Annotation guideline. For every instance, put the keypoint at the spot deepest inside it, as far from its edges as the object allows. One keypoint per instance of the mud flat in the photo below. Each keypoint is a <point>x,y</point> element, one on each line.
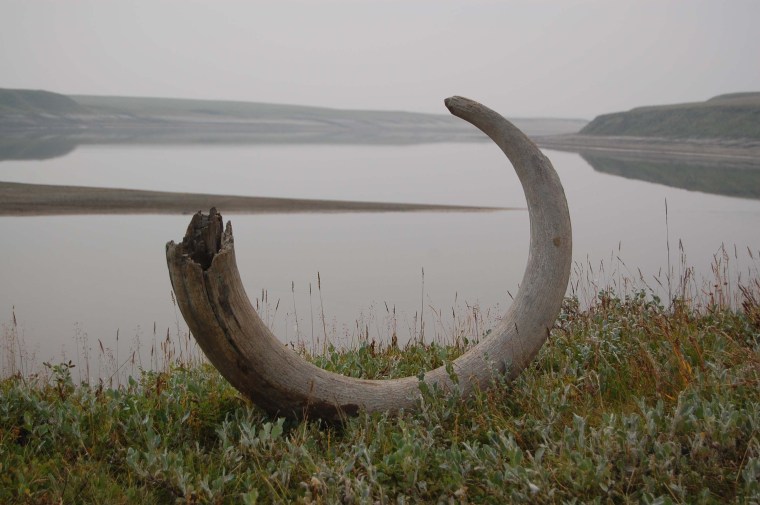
<point>18,199</point>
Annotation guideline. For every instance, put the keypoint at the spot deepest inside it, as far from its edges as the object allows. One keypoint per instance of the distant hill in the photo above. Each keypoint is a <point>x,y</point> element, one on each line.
<point>108,119</point>
<point>19,102</point>
<point>220,111</point>
<point>731,116</point>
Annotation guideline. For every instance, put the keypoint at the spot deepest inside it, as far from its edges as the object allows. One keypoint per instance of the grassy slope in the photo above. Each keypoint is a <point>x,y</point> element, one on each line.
<point>627,402</point>
<point>726,116</point>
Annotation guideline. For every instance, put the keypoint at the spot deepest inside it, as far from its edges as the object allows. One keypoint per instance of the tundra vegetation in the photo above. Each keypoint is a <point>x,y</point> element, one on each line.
<point>632,399</point>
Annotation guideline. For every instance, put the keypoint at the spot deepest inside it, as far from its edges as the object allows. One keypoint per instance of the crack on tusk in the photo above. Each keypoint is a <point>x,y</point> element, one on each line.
<point>203,238</point>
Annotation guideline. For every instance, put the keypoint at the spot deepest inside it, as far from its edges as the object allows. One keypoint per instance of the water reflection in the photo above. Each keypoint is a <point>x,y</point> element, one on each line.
<point>729,178</point>
<point>35,147</point>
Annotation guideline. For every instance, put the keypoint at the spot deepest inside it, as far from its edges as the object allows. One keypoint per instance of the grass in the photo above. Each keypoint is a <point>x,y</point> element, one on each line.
<point>630,400</point>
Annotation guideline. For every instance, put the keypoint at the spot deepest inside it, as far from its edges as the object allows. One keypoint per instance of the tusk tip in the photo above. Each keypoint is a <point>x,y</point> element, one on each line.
<point>458,103</point>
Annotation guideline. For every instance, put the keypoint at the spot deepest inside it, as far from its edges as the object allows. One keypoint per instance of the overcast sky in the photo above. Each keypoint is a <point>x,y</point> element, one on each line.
<point>533,58</point>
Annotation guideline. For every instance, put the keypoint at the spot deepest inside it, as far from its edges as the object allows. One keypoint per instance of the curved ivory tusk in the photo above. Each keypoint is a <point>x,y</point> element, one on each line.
<point>210,295</point>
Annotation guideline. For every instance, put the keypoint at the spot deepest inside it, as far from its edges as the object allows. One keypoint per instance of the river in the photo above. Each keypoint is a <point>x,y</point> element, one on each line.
<point>70,284</point>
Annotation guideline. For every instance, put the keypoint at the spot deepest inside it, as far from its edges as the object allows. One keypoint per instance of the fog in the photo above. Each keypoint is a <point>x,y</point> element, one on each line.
<point>523,58</point>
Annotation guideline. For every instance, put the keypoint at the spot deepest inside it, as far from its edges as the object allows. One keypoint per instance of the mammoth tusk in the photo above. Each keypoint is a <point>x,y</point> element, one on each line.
<point>210,295</point>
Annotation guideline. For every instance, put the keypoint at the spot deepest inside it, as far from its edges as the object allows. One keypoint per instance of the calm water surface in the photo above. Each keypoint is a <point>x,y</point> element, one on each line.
<point>67,277</point>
